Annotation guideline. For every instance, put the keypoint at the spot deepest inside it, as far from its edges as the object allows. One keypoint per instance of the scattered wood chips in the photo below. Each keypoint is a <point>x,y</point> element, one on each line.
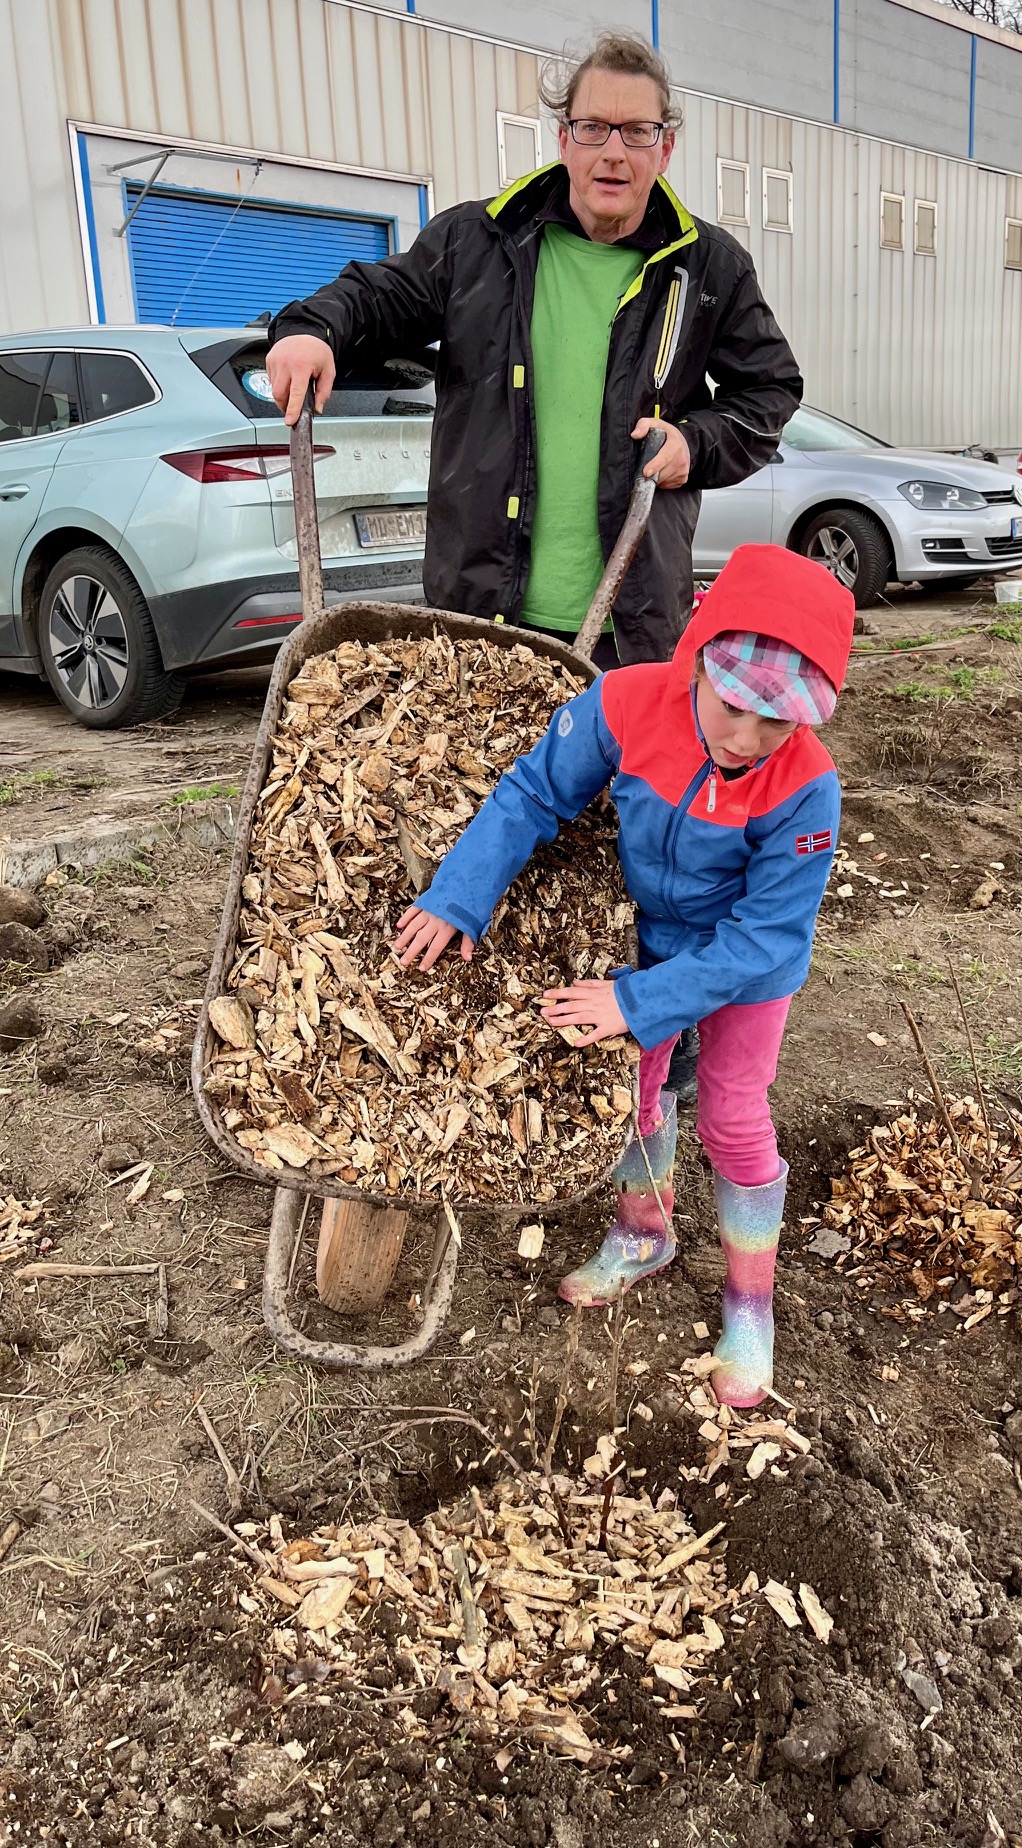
<point>906,1202</point>
<point>335,1061</point>
<point>493,1607</point>
<point>21,1225</point>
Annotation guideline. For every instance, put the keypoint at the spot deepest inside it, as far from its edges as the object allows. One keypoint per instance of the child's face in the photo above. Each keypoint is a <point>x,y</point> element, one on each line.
<point>735,738</point>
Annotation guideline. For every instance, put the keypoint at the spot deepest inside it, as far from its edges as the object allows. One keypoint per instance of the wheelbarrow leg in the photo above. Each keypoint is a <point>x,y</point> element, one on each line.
<point>359,1248</point>
<point>284,1227</point>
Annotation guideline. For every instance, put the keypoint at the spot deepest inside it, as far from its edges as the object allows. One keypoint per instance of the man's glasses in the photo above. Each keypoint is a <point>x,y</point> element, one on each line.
<point>590,134</point>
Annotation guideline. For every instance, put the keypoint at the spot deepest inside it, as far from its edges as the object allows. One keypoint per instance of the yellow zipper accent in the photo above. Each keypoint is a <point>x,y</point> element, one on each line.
<point>670,316</point>
<point>518,377</point>
<point>512,507</point>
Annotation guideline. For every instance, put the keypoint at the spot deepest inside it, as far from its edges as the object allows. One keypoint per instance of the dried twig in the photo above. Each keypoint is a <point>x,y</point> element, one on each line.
<point>161,1307</point>
<point>617,1335</point>
<point>610,1484</point>
<point>234,1488</point>
<point>445,1414</point>
<point>255,1554</point>
<point>980,1097</point>
<point>938,1098</point>
<point>8,1537</point>
<point>563,1389</point>
<point>29,1272</point>
<point>454,1556</point>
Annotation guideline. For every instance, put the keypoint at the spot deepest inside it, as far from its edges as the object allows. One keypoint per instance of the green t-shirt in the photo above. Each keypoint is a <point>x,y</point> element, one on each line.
<point>578,287</point>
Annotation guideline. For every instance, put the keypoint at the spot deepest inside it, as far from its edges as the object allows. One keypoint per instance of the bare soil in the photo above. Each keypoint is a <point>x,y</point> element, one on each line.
<point>142,1702</point>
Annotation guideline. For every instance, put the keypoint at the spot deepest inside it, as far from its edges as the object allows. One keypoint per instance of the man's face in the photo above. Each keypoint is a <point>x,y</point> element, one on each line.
<point>612,184</point>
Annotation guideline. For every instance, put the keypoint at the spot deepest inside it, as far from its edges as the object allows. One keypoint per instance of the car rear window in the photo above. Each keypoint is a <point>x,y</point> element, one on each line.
<point>112,383</point>
<point>59,408</point>
<point>398,388</point>
<point>21,375</point>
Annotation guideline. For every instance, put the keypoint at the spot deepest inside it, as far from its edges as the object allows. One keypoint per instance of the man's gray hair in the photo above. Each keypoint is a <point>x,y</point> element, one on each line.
<point>625,54</point>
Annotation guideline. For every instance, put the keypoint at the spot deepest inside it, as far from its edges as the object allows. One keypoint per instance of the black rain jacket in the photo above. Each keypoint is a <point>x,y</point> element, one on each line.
<point>468,281</point>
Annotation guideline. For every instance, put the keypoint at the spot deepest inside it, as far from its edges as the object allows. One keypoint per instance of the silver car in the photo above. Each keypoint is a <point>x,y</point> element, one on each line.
<point>870,513</point>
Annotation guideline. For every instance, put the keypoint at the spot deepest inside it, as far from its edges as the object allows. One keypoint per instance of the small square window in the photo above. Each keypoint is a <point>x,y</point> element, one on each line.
<point>926,228</point>
<point>892,221</point>
<point>732,192</point>
<point>519,146</point>
<point>776,200</point>
<point>1013,243</point>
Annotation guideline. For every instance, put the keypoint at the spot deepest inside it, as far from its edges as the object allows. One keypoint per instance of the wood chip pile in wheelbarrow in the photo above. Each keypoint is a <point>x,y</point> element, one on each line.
<point>335,1061</point>
<point>491,1605</point>
<point>919,1210</point>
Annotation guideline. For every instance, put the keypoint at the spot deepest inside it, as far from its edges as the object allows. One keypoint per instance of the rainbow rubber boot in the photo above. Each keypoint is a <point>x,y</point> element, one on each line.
<point>638,1243</point>
<point>750,1226</point>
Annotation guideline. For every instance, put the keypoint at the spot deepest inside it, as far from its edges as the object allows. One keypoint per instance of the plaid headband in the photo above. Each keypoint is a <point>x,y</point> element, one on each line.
<point>765,676</point>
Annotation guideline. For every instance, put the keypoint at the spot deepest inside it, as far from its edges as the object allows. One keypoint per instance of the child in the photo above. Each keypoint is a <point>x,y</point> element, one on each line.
<point>728,813</point>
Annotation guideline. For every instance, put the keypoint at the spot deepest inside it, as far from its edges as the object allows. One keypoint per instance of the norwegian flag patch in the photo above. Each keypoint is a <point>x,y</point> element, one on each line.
<point>814,843</point>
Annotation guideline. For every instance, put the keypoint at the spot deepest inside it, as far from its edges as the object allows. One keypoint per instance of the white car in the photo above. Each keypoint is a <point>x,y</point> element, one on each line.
<point>870,513</point>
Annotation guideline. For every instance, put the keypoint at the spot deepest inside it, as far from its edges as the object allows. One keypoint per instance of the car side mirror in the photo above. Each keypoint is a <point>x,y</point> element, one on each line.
<point>776,457</point>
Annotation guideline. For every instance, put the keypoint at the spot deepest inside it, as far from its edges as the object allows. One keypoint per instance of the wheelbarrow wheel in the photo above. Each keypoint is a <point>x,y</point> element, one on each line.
<point>359,1248</point>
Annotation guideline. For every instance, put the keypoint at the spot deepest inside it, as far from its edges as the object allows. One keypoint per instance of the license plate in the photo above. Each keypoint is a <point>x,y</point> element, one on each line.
<point>1016,528</point>
<point>391,526</point>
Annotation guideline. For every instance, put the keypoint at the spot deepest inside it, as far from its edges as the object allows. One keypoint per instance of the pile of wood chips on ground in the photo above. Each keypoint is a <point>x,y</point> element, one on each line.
<point>21,1225</point>
<point>336,1061</point>
<point>918,1209</point>
<point>508,1603</point>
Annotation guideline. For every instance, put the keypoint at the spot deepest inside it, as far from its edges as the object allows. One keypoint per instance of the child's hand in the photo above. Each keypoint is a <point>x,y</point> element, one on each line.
<point>420,934</point>
<point>585,1004</point>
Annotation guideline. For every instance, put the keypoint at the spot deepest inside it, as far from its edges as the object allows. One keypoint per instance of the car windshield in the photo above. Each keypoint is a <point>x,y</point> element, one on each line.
<point>815,430</point>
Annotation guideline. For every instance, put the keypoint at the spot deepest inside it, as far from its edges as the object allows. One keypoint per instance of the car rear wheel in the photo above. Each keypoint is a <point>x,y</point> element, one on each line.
<point>98,644</point>
<point>854,548</point>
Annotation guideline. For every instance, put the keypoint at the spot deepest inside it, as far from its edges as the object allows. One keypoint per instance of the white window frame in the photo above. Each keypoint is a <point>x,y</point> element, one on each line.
<point>504,120</point>
<point>924,250</point>
<point>1011,224</point>
<point>899,199</point>
<point>778,173</point>
<point>738,166</point>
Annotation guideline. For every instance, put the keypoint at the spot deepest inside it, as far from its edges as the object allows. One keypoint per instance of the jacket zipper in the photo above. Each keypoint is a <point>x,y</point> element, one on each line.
<point>680,814</point>
<point>670,332</point>
<point>522,474</point>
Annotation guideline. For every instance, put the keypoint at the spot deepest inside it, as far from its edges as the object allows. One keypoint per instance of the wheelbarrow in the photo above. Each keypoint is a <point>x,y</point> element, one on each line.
<point>362,1232</point>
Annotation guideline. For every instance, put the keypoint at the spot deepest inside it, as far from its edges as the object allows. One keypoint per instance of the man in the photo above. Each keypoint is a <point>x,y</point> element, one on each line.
<point>573,312</point>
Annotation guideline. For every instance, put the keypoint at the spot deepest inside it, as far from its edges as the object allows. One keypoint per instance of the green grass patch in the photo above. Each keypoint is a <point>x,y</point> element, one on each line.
<point>1010,631</point>
<point>28,783</point>
<point>204,792</point>
<point>999,1061</point>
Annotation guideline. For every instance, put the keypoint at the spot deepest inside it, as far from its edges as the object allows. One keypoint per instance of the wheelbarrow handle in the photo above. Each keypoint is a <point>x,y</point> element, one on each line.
<point>310,564</point>
<point>643,490</point>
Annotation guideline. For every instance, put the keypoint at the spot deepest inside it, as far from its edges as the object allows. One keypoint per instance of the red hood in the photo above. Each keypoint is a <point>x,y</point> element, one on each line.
<point>771,591</point>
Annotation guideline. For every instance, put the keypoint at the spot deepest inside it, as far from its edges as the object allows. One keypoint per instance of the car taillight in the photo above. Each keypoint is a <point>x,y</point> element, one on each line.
<point>236,464</point>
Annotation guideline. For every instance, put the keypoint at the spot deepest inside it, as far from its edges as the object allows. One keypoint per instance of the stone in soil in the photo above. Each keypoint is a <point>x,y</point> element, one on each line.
<point>18,907</point>
<point>118,1157</point>
<point>24,946</point>
<point>21,1019</point>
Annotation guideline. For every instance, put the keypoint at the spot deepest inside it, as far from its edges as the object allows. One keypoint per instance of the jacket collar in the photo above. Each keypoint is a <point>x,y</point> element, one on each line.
<point>542,198</point>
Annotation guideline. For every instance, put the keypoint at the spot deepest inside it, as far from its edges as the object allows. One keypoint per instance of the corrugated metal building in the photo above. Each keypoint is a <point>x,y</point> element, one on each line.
<point>197,160</point>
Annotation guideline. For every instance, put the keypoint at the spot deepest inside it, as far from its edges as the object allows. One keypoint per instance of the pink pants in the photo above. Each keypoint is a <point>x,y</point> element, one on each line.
<point>738,1048</point>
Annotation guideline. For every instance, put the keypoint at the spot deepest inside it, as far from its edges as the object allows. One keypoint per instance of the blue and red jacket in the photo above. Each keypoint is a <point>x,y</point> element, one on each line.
<point>727,874</point>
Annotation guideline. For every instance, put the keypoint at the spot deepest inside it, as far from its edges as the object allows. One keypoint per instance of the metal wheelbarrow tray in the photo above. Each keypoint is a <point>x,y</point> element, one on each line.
<point>321,631</point>
<point>364,622</point>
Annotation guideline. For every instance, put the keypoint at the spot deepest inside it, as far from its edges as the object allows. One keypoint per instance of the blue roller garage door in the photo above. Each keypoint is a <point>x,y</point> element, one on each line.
<point>202,261</point>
